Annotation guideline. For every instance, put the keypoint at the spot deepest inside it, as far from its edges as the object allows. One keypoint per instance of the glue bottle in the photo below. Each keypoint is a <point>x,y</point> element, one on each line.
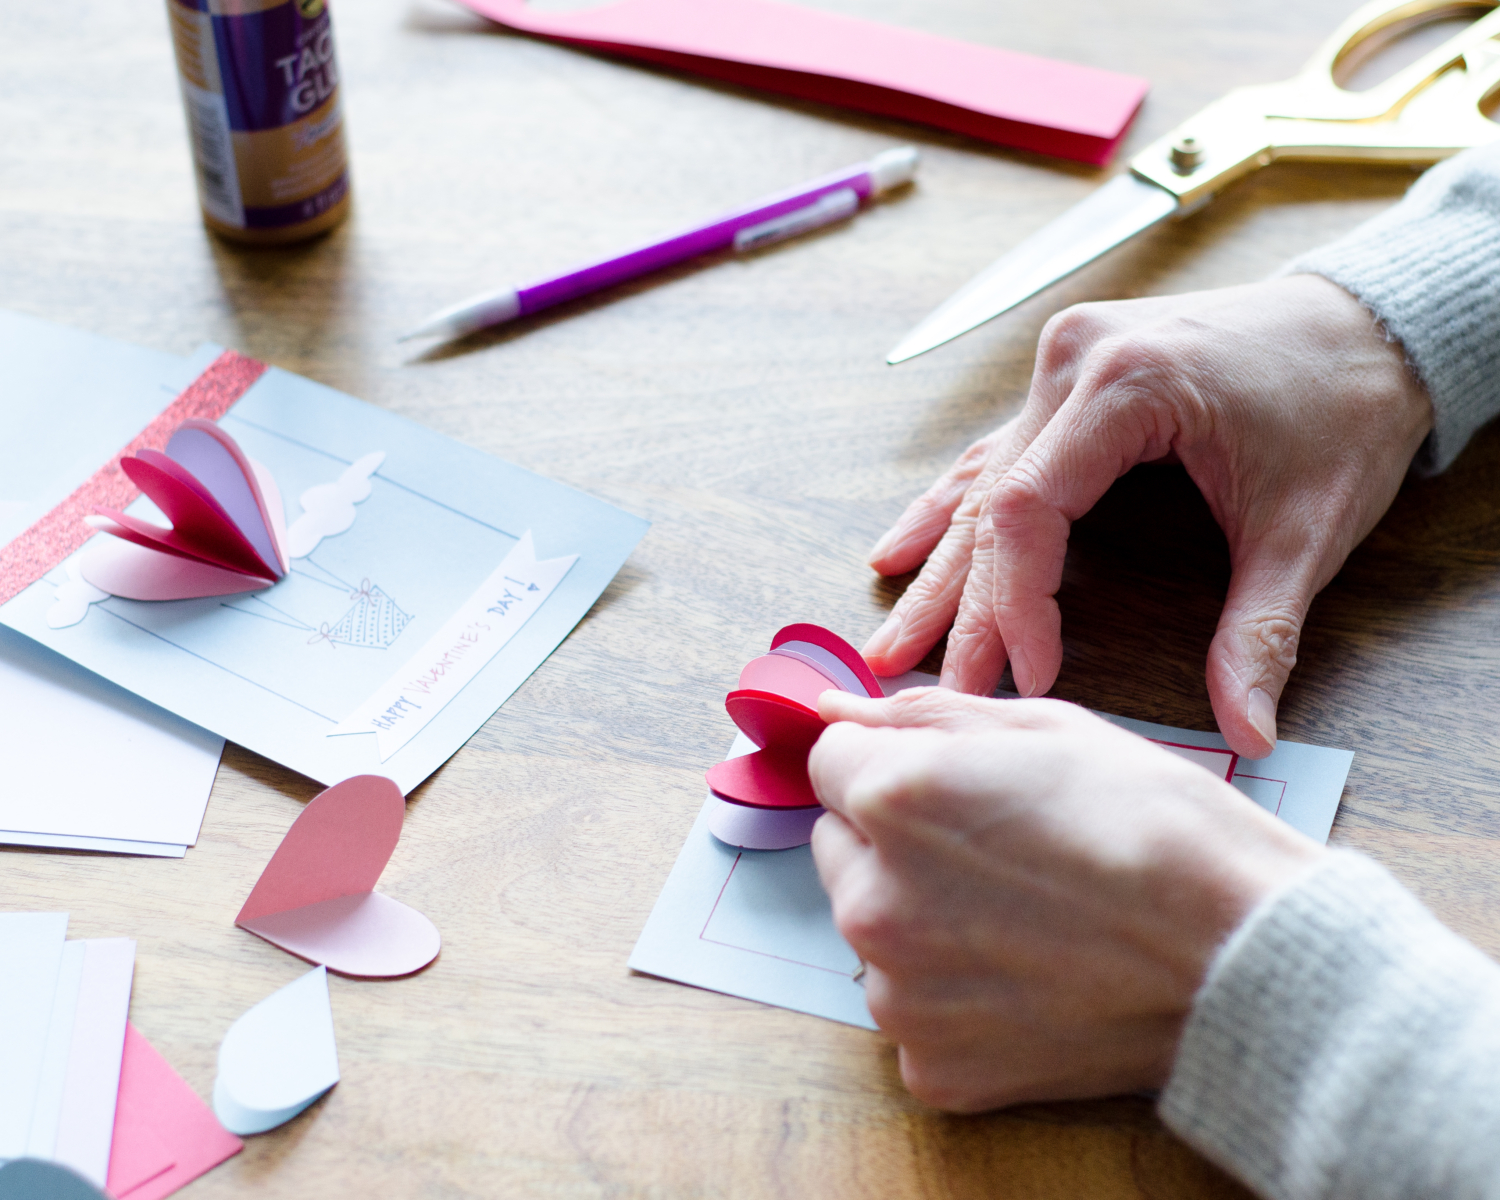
<point>261,88</point>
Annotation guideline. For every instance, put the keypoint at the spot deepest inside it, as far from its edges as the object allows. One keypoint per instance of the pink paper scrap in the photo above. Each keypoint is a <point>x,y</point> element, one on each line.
<point>165,1136</point>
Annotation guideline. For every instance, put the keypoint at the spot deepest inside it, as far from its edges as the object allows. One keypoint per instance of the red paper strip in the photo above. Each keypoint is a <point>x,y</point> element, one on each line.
<point>998,95</point>
<point>62,531</point>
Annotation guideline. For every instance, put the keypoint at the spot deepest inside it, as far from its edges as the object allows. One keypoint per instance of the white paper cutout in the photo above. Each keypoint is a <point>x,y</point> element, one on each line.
<point>277,1058</point>
<point>73,599</point>
<point>328,508</point>
<point>760,828</point>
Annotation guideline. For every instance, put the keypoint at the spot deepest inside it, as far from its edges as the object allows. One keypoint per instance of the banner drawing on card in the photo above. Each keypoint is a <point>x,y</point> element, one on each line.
<point>402,707</point>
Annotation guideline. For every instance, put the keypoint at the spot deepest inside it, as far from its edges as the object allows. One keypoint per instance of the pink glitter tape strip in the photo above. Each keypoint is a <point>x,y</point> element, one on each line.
<point>62,531</point>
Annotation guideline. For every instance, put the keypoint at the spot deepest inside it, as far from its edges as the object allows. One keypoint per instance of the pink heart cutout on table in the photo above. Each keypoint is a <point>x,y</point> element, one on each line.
<point>316,898</point>
<point>227,530</point>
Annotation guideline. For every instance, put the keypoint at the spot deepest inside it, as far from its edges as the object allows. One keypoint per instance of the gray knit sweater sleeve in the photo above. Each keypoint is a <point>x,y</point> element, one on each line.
<point>1345,1044</point>
<point>1429,268</point>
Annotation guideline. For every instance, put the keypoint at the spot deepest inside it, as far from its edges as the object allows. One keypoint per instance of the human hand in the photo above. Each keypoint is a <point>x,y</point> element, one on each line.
<point>1036,894</point>
<point>1289,409</point>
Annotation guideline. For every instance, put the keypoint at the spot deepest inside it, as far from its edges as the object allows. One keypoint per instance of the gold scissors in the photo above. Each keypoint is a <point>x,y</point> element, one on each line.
<point>1424,113</point>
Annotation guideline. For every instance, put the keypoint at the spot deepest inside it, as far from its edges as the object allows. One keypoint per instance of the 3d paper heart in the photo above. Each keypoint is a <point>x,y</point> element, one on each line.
<point>764,799</point>
<point>317,899</point>
<point>228,531</point>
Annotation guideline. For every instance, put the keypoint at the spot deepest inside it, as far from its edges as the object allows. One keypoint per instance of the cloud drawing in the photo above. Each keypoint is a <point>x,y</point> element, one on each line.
<point>72,601</point>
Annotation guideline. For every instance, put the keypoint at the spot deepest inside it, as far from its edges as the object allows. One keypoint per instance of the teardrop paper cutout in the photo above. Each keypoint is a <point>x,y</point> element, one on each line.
<point>277,1058</point>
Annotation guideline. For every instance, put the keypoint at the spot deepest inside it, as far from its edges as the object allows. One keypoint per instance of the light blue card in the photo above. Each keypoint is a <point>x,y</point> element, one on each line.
<point>69,401</point>
<point>292,672</point>
<point>758,924</point>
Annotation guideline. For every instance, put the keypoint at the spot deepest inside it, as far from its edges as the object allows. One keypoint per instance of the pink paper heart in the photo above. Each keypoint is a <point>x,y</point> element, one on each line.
<point>776,706</point>
<point>316,897</point>
<point>201,528</point>
<point>227,531</point>
<point>242,488</point>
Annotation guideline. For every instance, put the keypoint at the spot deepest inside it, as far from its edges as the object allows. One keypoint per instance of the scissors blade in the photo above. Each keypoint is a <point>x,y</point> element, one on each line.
<point>1116,212</point>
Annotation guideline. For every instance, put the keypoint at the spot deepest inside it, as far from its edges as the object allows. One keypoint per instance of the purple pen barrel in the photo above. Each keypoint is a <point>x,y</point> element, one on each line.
<point>767,221</point>
<point>864,179</point>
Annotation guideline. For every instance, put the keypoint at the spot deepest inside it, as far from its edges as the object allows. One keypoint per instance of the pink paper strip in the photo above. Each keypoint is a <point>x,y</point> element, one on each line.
<point>62,531</point>
<point>165,1136</point>
<point>998,95</point>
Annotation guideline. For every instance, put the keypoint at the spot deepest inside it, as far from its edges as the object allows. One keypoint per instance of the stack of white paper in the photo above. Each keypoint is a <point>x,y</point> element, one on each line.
<point>63,1007</point>
<point>85,764</point>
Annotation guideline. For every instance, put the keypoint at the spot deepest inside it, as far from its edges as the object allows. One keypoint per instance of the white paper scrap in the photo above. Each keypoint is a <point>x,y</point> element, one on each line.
<point>47,1108</point>
<point>85,1129</point>
<point>31,948</point>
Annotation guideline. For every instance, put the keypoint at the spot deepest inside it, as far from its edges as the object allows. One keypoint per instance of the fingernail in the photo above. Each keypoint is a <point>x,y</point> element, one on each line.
<point>1020,673</point>
<point>1261,712</point>
<point>883,546</point>
<point>884,637</point>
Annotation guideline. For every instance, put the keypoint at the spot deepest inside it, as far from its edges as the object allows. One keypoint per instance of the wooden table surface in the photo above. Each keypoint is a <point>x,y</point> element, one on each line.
<point>743,407</point>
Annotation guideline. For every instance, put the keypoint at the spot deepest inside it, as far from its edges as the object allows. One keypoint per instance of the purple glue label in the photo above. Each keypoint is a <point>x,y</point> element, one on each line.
<point>277,64</point>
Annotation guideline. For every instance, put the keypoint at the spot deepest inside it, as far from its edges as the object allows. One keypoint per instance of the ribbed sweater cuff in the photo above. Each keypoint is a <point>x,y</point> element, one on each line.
<point>1429,269</point>
<point>1345,1044</point>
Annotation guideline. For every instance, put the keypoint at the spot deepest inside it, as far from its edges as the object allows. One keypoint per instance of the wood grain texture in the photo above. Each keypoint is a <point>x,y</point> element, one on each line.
<point>743,406</point>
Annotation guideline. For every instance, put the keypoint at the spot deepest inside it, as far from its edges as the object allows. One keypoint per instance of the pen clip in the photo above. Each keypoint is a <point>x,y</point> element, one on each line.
<point>825,210</point>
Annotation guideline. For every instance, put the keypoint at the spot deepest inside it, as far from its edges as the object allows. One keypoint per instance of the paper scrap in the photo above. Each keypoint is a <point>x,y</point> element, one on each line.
<point>52,1083</point>
<point>316,898</point>
<point>278,1058</point>
<point>73,1111</point>
<point>999,95</point>
<point>31,951</point>
<point>85,1125</point>
<point>402,706</point>
<point>164,1136</point>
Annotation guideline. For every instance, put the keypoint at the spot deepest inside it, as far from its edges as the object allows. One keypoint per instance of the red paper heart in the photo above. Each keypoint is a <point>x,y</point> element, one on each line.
<point>776,706</point>
<point>764,779</point>
<point>200,529</point>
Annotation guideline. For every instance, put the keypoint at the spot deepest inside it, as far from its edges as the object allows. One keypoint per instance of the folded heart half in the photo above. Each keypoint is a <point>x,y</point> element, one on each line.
<point>317,899</point>
<point>764,799</point>
<point>227,532</point>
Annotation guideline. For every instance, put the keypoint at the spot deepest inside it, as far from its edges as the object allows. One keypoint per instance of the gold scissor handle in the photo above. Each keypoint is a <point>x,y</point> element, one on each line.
<point>1420,115</point>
